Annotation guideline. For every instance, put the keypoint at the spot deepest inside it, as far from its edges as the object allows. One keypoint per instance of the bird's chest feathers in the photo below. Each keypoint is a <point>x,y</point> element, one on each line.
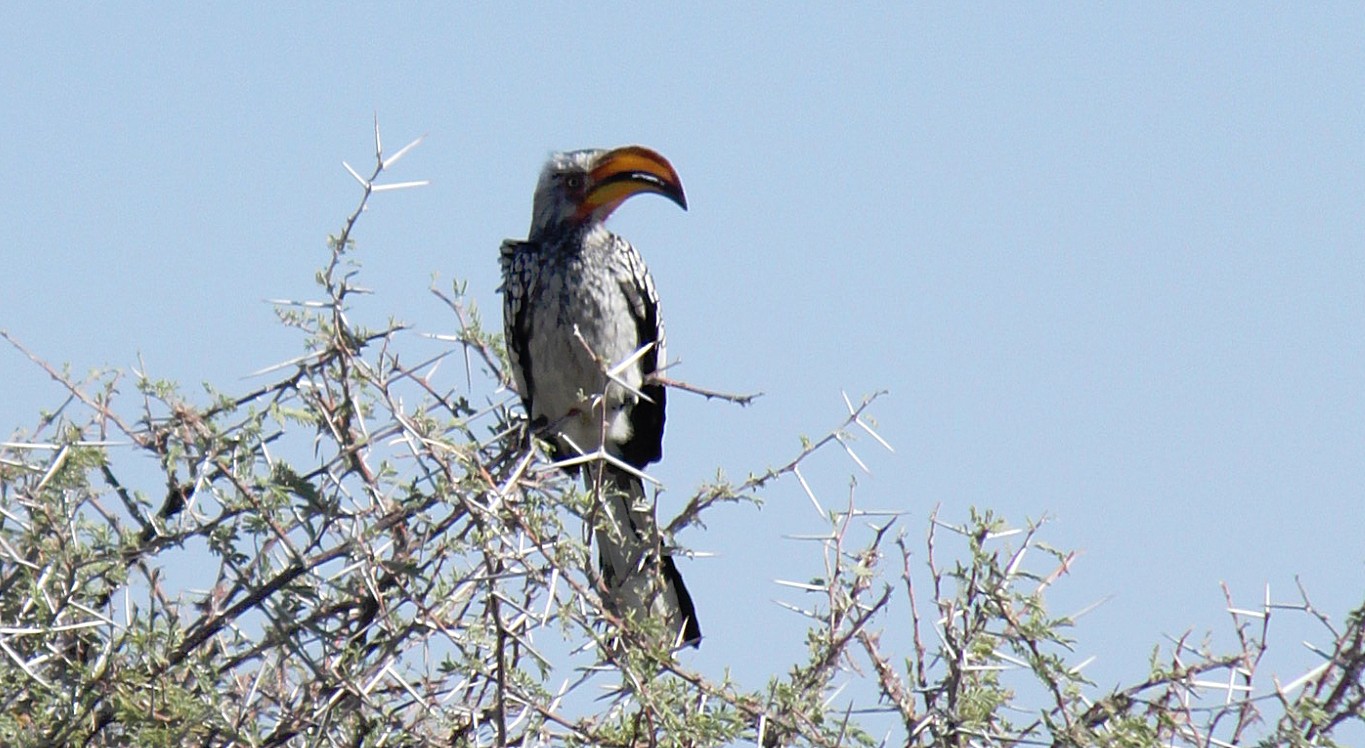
<point>581,323</point>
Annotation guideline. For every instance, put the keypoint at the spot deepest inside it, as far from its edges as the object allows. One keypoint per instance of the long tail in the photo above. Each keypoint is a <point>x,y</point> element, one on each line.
<point>640,577</point>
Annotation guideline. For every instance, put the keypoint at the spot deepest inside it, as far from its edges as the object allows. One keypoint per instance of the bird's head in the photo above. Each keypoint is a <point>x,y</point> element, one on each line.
<point>581,188</point>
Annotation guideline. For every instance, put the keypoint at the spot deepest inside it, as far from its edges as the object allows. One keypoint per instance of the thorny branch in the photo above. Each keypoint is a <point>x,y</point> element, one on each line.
<point>374,559</point>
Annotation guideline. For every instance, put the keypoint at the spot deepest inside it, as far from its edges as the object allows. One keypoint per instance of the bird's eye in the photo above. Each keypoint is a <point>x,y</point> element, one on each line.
<point>574,182</point>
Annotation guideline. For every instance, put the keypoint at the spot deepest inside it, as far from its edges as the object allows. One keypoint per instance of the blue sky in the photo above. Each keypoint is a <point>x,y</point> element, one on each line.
<point>1108,261</point>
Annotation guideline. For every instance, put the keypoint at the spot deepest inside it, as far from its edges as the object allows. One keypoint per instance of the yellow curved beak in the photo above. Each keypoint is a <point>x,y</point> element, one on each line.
<point>629,171</point>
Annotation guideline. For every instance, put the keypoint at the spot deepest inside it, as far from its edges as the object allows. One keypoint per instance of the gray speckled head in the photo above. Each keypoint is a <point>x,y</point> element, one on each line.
<point>581,188</point>
<point>561,188</point>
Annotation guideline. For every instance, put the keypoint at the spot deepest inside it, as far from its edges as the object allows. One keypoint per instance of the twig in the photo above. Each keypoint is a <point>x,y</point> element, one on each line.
<point>704,392</point>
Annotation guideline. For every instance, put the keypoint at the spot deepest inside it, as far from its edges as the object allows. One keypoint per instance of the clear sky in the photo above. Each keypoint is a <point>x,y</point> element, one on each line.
<point>1108,261</point>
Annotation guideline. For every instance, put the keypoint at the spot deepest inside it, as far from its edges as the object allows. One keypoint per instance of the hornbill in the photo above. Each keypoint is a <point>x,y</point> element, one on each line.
<point>585,339</point>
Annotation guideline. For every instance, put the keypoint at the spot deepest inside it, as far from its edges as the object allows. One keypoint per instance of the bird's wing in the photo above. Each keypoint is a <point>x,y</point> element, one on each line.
<point>646,416</point>
<point>517,279</point>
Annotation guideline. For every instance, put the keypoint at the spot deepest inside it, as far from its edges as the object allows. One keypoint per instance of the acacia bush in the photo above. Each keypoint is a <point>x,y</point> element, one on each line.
<point>350,556</point>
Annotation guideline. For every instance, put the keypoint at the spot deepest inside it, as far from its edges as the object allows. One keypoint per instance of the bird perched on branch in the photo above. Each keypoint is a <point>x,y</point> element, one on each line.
<point>585,340</point>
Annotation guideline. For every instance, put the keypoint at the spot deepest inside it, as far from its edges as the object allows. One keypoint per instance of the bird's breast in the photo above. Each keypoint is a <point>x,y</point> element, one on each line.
<point>581,324</point>
<point>577,296</point>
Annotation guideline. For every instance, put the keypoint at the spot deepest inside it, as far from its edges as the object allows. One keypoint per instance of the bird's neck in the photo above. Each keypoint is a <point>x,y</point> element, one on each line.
<point>570,237</point>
